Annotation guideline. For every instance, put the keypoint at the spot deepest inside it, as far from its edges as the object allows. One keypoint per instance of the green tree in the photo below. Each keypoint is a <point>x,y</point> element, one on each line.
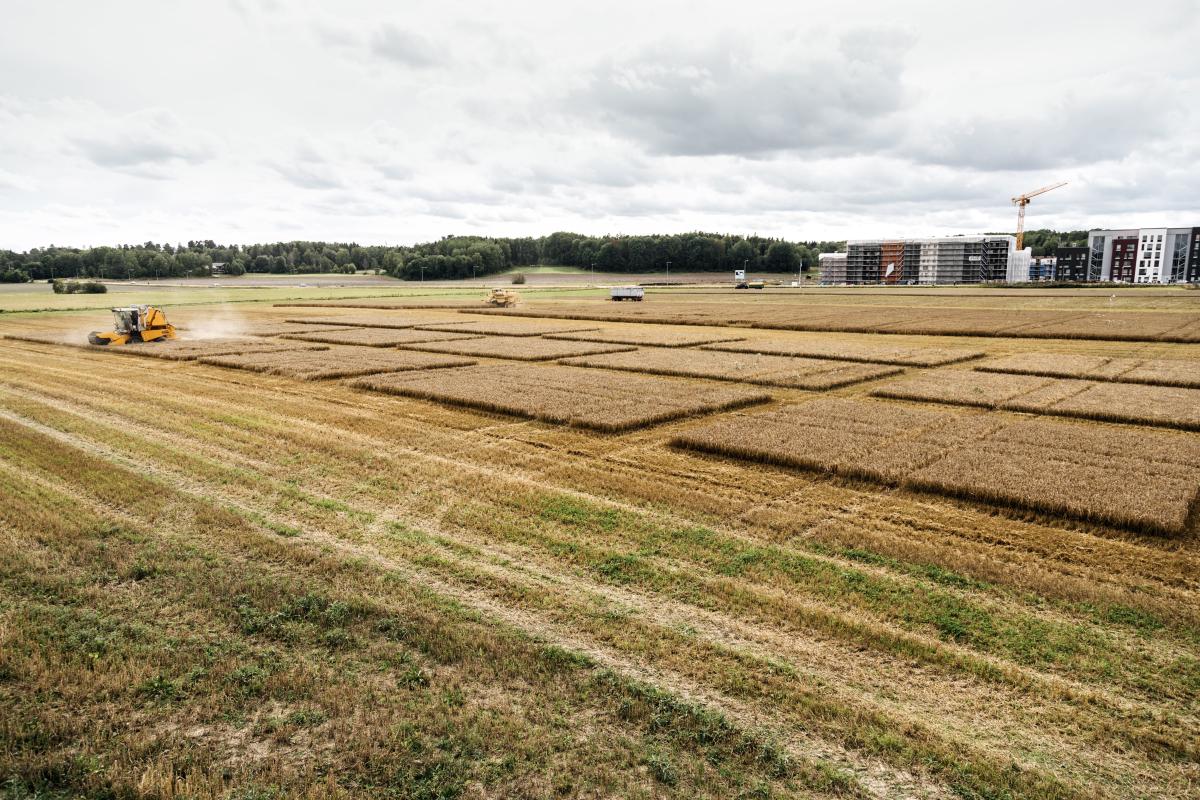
<point>782,257</point>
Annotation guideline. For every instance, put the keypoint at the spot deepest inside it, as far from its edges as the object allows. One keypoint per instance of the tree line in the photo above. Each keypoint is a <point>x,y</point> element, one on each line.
<point>448,258</point>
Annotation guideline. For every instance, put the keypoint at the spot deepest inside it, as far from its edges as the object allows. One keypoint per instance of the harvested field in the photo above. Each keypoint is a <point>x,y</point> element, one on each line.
<point>1165,406</point>
<point>568,395</point>
<point>1149,326</point>
<point>841,350</point>
<point>253,586</point>
<point>334,362</point>
<point>371,320</point>
<point>1062,468</point>
<point>509,327</point>
<point>518,348</point>
<point>378,337</point>
<point>796,373</point>
<point>1155,372</point>
<point>648,336</point>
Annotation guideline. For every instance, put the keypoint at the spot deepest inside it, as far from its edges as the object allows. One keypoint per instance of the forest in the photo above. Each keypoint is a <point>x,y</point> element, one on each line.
<point>448,258</point>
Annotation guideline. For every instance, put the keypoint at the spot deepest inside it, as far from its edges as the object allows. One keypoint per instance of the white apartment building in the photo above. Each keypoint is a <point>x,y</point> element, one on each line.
<point>1144,255</point>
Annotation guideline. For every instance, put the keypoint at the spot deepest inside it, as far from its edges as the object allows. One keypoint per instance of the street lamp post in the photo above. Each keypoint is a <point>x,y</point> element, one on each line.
<point>593,272</point>
<point>668,272</point>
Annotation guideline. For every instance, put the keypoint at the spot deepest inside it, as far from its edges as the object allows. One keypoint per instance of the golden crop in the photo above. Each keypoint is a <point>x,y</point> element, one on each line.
<point>797,373</point>
<point>333,362</point>
<point>573,396</point>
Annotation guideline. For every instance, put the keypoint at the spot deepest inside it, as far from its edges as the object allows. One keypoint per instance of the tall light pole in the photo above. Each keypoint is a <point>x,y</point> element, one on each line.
<point>593,272</point>
<point>668,272</point>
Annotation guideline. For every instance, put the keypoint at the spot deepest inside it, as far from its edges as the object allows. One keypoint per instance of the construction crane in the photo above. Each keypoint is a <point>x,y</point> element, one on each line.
<point>1023,200</point>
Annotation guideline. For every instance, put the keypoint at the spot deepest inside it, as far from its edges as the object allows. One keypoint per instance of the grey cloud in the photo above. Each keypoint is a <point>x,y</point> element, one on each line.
<point>143,143</point>
<point>309,169</point>
<point>404,47</point>
<point>731,98</point>
<point>1107,125</point>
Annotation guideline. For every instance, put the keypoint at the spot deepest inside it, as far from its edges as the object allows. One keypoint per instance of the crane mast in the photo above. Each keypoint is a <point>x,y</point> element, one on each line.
<point>1022,200</point>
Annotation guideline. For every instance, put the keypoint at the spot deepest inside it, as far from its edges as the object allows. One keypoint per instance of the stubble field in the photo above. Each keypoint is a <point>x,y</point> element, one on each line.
<point>481,576</point>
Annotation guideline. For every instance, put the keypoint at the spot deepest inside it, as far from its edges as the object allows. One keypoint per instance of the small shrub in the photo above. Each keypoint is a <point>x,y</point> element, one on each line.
<point>413,678</point>
<point>159,688</point>
<point>663,770</point>
<point>518,278</point>
<point>78,287</point>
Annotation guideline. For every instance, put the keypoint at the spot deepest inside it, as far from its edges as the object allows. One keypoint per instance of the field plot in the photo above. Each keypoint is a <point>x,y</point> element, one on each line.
<point>648,336</point>
<point>508,327</point>
<point>841,350</point>
<point>1166,406</point>
<point>1162,326</point>
<point>517,348</point>
<point>796,373</point>
<point>333,362</point>
<point>568,395</point>
<point>180,349</point>
<point>371,320</point>
<point>1156,372</point>
<point>378,337</point>
<point>1065,468</point>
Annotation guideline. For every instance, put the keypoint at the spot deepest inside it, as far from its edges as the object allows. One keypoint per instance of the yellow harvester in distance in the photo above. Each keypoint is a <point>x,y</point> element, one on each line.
<point>136,324</point>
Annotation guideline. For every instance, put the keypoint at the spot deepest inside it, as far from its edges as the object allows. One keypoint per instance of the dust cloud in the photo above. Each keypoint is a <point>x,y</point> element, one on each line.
<point>220,323</point>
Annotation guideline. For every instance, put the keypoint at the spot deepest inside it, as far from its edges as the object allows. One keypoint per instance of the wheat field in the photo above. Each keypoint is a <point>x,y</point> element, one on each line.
<point>333,362</point>
<point>518,579</point>
<point>1156,372</point>
<point>1166,406</point>
<point>796,373</point>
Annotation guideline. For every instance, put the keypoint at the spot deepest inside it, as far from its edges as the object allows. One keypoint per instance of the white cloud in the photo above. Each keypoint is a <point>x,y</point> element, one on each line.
<point>268,119</point>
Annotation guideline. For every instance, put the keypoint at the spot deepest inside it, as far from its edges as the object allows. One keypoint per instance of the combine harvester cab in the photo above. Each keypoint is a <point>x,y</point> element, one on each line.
<point>502,298</point>
<point>135,324</point>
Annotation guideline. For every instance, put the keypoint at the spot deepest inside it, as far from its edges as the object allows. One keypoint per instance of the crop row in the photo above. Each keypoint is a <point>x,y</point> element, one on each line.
<point>377,337</point>
<point>334,362</point>
<point>1156,372</point>
<point>517,348</point>
<point>1072,469</point>
<point>567,395</point>
<point>796,373</point>
<point>1164,406</point>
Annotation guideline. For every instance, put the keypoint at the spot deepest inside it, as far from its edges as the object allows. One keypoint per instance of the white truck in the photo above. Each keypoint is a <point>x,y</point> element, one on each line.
<point>627,293</point>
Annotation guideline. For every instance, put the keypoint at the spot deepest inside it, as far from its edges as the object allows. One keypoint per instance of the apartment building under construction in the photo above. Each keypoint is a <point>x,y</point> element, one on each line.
<point>950,259</point>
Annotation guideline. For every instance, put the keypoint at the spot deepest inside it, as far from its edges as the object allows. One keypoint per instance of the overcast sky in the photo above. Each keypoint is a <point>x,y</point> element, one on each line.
<point>395,122</point>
